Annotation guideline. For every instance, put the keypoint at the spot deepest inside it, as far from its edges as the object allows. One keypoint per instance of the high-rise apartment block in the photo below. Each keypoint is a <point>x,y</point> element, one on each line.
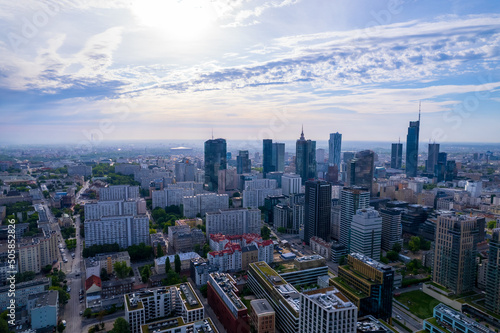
<point>233,221</point>
<point>215,160</point>
<point>124,230</point>
<point>255,191</point>
<point>118,192</point>
<point>291,183</point>
<point>97,210</point>
<point>184,171</point>
<point>200,204</point>
<point>412,148</point>
<point>455,252</point>
<point>305,158</point>
<point>288,216</point>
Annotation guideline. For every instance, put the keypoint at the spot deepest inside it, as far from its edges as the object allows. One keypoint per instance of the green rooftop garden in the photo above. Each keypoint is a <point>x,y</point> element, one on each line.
<point>420,304</point>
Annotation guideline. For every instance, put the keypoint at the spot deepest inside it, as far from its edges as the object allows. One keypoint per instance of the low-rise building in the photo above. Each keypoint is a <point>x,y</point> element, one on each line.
<point>117,287</point>
<point>200,270</point>
<point>23,291</point>
<point>177,325</point>
<point>43,309</point>
<point>321,247</point>
<point>185,261</point>
<point>446,319</point>
<point>263,316</point>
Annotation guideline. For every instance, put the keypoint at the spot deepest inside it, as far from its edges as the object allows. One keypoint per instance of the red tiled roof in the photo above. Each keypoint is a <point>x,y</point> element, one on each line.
<point>93,280</point>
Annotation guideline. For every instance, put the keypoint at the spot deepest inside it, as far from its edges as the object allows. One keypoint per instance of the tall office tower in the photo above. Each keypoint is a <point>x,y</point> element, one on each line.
<point>440,167</point>
<point>274,156</point>
<point>492,302</point>
<point>366,233</point>
<point>351,199</point>
<point>412,148</point>
<point>243,162</point>
<point>361,169</point>
<point>291,183</point>
<point>215,160</point>
<point>320,155</point>
<point>397,155</point>
<point>432,157</point>
<point>455,252</point>
<point>305,158</point>
<point>184,171</point>
<point>391,227</point>
<point>332,175</point>
<point>328,311</point>
<point>334,147</point>
<point>317,210</point>
<point>451,171</point>
<point>368,284</point>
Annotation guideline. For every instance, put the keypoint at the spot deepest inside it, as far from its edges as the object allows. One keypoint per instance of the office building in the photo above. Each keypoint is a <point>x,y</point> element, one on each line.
<point>320,155</point>
<point>366,233</point>
<point>288,216</point>
<point>317,210</point>
<point>282,296</point>
<point>334,148</point>
<point>446,319</point>
<point>123,230</point>
<point>368,284</point>
<point>327,310</point>
<point>43,309</point>
<point>222,295</point>
<point>307,270</point>
<point>455,252</point>
<point>172,301</point>
<point>215,160</point>
<point>305,158</point>
<point>118,192</point>
<point>263,316</point>
<point>451,171</point>
<point>396,155</point>
<point>243,162</point>
<point>391,227</point>
<point>199,204</point>
<point>233,221</point>
<point>291,183</point>
<point>274,156</point>
<point>492,301</point>
<point>432,157</point>
<point>412,148</point>
<point>360,170</point>
<point>351,199</point>
<point>184,171</point>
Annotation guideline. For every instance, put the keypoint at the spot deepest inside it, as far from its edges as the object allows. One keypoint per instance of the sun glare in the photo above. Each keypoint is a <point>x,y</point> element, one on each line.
<point>179,20</point>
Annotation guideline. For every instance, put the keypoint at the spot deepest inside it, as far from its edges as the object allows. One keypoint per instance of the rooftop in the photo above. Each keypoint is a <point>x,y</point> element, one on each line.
<point>261,306</point>
<point>182,256</point>
<point>310,258</point>
<point>458,316</point>
<point>369,261</point>
<point>328,298</point>
<point>47,298</point>
<point>202,326</point>
<point>370,324</point>
<point>228,286</point>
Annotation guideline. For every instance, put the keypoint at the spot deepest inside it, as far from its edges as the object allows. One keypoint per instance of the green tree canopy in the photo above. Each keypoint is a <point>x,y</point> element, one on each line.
<point>120,326</point>
<point>121,269</point>
<point>177,263</point>
<point>168,267</point>
<point>397,247</point>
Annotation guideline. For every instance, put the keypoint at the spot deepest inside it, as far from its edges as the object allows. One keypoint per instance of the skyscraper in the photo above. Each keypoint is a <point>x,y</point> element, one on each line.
<point>351,199</point>
<point>305,159</point>
<point>215,160</point>
<point>397,155</point>
<point>492,302</point>
<point>243,162</point>
<point>317,210</point>
<point>274,156</point>
<point>360,169</point>
<point>334,147</point>
<point>412,147</point>
<point>455,252</point>
<point>432,157</point>
<point>366,234</point>
<point>391,227</point>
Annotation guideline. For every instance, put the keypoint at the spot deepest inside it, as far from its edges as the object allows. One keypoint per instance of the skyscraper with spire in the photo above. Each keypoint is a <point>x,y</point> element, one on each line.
<point>305,158</point>
<point>412,147</point>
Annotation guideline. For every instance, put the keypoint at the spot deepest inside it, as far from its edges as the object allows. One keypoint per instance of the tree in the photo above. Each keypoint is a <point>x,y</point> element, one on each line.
<point>87,313</point>
<point>61,327</point>
<point>4,327</point>
<point>168,267</point>
<point>492,224</point>
<point>104,274</point>
<point>392,255</point>
<point>204,290</point>
<point>120,326</point>
<point>265,232</point>
<point>414,244</point>
<point>282,230</point>
<point>121,269</point>
<point>63,295</point>
<point>159,251</point>
<point>177,263</point>
<point>197,249</point>
<point>146,273</point>
<point>397,247</point>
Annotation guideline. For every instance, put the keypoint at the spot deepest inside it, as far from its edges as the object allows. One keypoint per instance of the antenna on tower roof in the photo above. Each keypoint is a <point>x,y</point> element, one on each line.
<point>212,133</point>
<point>419,110</point>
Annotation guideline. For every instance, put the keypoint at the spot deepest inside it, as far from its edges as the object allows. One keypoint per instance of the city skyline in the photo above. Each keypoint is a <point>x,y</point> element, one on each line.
<point>178,70</point>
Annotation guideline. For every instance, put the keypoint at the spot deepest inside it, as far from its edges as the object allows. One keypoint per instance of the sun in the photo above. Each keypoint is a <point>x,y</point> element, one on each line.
<point>181,20</point>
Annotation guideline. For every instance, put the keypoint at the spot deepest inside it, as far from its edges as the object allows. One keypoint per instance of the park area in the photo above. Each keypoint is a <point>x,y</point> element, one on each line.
<point>420,303</point>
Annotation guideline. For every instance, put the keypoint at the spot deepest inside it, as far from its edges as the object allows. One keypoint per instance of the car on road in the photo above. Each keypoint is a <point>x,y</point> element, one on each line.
<point>398,317</point>
<point>81,313</point>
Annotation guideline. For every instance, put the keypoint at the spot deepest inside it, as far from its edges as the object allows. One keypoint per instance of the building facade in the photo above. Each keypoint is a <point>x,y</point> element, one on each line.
<point>334,148</point>
<point>233,221</point>
<point>215,160</point>
<point>351,199</point>
<point>366,232</point>
<point>492,302</point>
<point>318,202</point>
<point>305,158</point>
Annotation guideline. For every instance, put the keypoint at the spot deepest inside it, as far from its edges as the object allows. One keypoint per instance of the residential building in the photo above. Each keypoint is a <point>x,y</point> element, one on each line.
<point>391,227</point>
<point>366,233</point>
<point>317,210</point>
<point>233,221</point>
<point>227,259</point>
<point>396,155</point>
<point>327,310</point>
<point>184,257</point>
<point>321,247</point>
<point>181,238</point>
<point>108,260</point>
<point>368,284</point>
<point>23,291</point>
<point>305,158</point>
<point>118,192</point>
<point>200,270</point>
<point>132,207</point>
<point>184,170</point>
<point>360,170</point>
<point>446,319</point>
<point>177,325</point>
<point>334,148</point>
<point>222,295</point>
<point>412,148</point>
<point>80,170</point>
<point>200,204</point>
<point>255,191</point>
<point>215,160</point>
<point>291,183</point>
<point>249,254</point>
<point>351,199</point>
<point>43,309</point>
<point>263,316</point>
<point>455,252</point>
<point>37,252</point>
<point>335,222</point>
<point>158,239</point>
<point>228,181</point>
<point>172,301</point>
<point>170,196</point>
<point>290,217</point>
<point>492,301</point>
<point>243,162</point>
<point>282,296</point>
<point>117,287</point>
<point>123,230</point>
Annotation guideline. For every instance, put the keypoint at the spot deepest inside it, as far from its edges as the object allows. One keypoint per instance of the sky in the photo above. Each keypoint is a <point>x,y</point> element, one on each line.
<point>74,71</point>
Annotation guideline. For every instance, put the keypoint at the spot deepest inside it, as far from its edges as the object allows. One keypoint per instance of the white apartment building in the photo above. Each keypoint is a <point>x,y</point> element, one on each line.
<point>94,211</point>
<point>233,221</point>
<point>118,192</point>
<point>291,183</point>
<point>204,203</point>
<point>170,196</point>
<point>124,230</point>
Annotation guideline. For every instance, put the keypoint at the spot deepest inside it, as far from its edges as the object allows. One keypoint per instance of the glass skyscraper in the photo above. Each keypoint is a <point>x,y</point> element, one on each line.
<point>215,160</point>
<point>243,162</point>
<point>274,156</point>
<point>360,169</point>
<point>305,158</point>
<point>334,147</point>
<point>412,148</point>
<point>318,203</point>
<point>397,155</point>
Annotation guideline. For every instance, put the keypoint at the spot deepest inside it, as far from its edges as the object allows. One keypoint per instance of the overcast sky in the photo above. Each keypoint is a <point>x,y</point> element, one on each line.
<point>165,69</point>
